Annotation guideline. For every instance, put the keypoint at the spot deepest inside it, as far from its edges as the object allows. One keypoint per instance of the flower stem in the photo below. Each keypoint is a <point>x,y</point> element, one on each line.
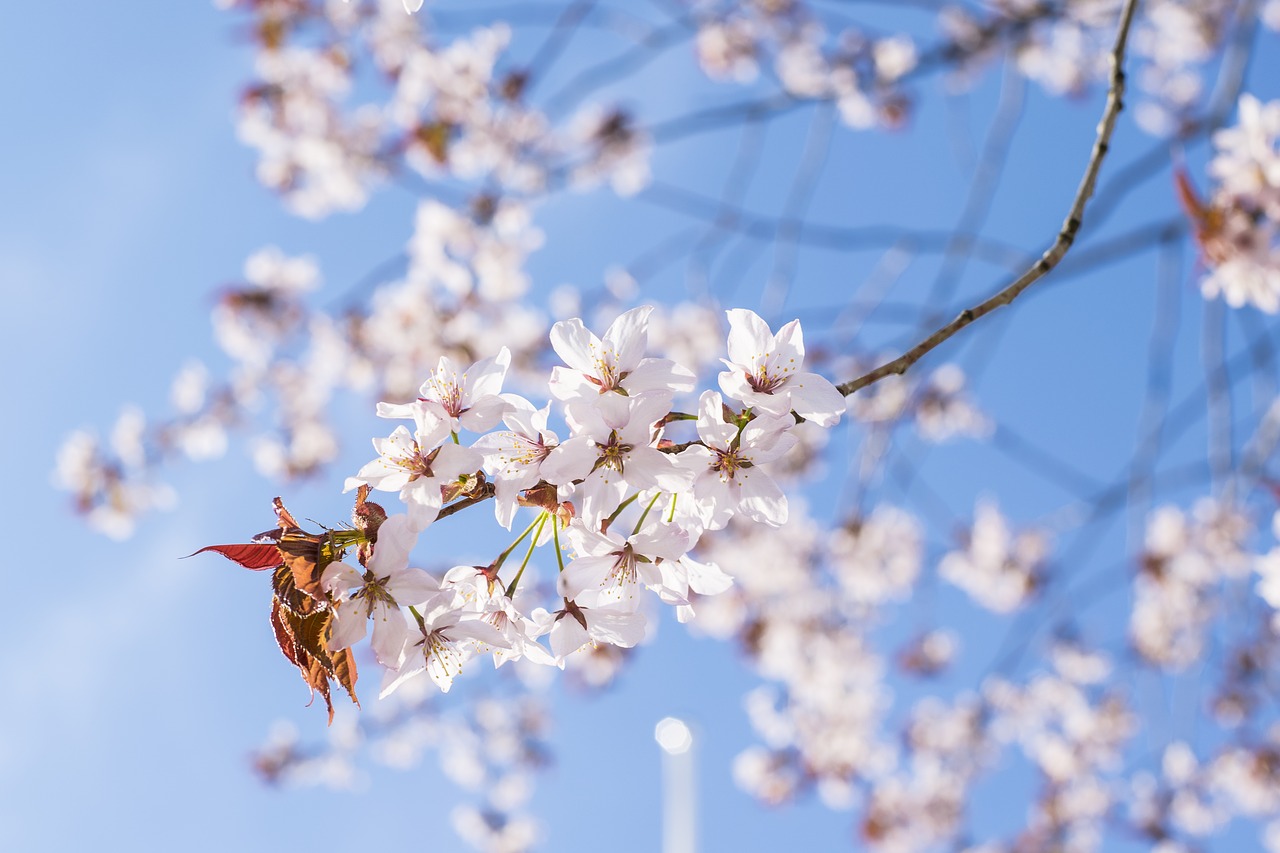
<point>613,516</point>
<point>645,514</point>
<point>502,558</point>
<point>555,534</point>
<point>533,543</point>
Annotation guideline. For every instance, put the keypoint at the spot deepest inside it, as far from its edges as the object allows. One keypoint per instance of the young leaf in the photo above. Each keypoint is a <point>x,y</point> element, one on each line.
<point>283,516</point>
<point>293,599</point>
<point>256,557</point>
<point>302,553</point>
<point>344,672</point>
<point>304,641</point>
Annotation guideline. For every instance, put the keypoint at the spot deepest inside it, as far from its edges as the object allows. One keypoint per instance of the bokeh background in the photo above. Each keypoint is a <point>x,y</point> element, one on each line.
<point>137,684</point>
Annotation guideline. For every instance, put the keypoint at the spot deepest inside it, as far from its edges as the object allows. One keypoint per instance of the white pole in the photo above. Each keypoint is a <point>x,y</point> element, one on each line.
<point>679,827</point>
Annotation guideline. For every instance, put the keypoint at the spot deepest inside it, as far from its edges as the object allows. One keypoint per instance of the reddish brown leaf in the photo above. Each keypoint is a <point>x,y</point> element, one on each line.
<point>284,639</point>
<point>311,632</point>
<point>267,537</point>
<point>304,641</point>
<point>318,679</point>
<point>344,672</point>
<point>1207,220</point>
<point>294,600</point>
<point>256,557</point>
<point>301,552</point>
<point>283,516</point>
<point>1195,209</point>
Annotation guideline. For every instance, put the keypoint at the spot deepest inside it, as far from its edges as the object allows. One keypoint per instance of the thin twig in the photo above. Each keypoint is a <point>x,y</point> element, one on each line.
<point>1066,236</point>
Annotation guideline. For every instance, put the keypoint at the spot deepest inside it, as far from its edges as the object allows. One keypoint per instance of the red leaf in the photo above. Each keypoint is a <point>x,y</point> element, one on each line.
<point>256,557</point>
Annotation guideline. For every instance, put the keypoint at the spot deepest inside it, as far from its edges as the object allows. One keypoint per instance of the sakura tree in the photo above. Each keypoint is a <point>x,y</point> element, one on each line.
<point>773,454</point>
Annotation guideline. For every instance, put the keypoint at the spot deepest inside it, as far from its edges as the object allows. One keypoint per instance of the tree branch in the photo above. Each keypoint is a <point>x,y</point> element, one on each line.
<point>1066,236</point>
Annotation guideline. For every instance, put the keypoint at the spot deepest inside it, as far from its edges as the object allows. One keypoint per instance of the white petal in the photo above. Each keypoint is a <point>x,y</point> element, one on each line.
<point>570,461</point>
<point>749,337</point>
<point>815,399</point>
<point>576,346</point>
<point>712,428</point>
<point>397,537</point>
<point>627,337</point>
<point>390,635</point>
<point>761,499</point>
<point>349,624</point>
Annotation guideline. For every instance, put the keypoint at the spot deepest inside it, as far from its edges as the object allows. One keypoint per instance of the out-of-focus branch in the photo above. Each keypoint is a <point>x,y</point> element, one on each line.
<point>1066,236</point>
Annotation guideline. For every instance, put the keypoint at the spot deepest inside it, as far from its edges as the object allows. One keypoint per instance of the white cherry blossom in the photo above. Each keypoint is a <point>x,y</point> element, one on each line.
<point>470,398</point>
<point>504,612</point>
<point>446,638</point>
<point>609,568</point>
<point>615,362</point>
<point>417,471</point>
<point>513,457</point>
<point>726,475</point>
<point>765,371</point>
<point>386,585</point>
<point>574,626</point>
<point>612,450</point>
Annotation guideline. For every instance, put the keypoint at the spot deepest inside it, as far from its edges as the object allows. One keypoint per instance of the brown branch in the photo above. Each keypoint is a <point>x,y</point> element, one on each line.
<point>1066,236</point>
<point>487,491</point>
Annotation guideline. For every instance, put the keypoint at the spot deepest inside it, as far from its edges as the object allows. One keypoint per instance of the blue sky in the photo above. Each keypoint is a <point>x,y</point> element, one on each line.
<point>138,684</point>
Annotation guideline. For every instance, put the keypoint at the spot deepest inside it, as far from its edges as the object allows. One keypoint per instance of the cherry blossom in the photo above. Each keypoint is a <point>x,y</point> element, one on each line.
<point>726,475</point>
<point>386,585</point>
<point>609,567</point>
<point>765,371</point>
<point>446,638</point>
<point>470,398</point>
<point>612,450</point>
<point>514,457</point>
<point>614,363</point>
<point>574,626</point>
<point>418,469</point>
<point>998,569</point>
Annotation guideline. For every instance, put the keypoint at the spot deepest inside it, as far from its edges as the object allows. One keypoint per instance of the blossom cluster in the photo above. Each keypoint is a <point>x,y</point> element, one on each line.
<point>622,507</point>
<point>1238,228</point>
<point>646,495</point>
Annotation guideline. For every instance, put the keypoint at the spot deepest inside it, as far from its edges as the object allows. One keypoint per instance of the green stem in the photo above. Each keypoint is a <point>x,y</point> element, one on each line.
<point>533,543</point>
<point>613,516</point>
<point>502,558</point>
<point>347,538</point>
<point>555,534</point>
<point>671,516</point>
<point>645,514</point>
